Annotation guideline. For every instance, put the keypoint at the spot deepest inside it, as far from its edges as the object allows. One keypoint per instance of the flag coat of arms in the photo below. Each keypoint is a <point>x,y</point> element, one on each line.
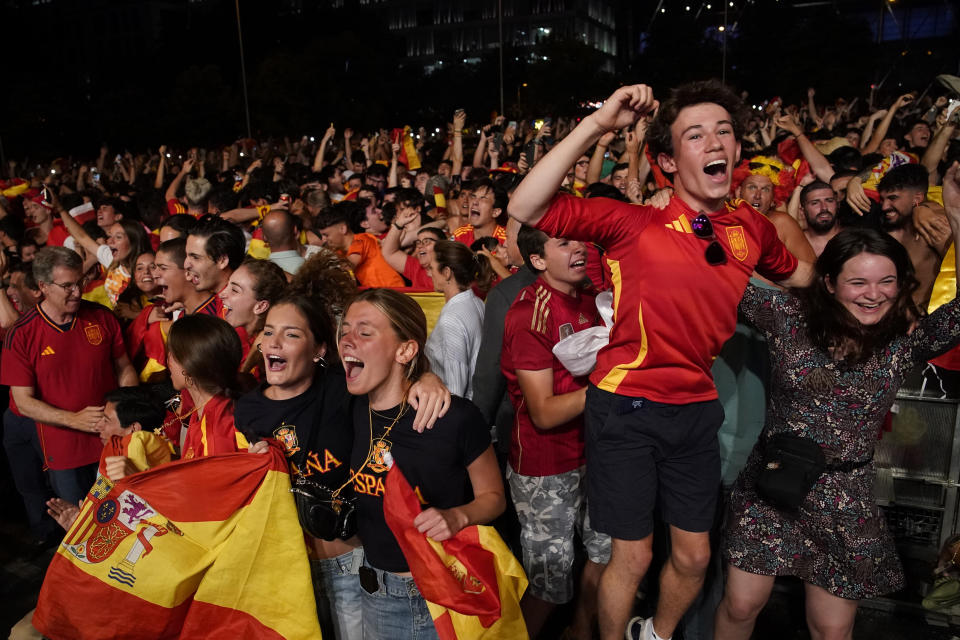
<point>472,582</point>
<point>202,548</point>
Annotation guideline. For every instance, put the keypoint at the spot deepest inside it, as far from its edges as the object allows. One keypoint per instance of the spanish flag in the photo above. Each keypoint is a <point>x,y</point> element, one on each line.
<point>472,583</point>
<point>408,149</point>
<point>146,345</point>
<point>203,548</point>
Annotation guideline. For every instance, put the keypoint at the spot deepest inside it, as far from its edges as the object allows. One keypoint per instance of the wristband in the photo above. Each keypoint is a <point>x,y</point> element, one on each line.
<point>398,227</point>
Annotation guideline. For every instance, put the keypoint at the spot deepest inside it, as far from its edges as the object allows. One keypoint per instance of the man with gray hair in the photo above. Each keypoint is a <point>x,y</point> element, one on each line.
<point>59,360</point>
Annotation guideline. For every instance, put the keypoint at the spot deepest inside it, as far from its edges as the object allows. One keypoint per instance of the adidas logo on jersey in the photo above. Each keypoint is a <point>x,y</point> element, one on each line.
<point>681,224</point>
<point>48,351</point>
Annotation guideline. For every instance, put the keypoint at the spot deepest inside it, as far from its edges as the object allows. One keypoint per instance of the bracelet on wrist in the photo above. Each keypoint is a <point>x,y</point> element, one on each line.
<point>398,227</point>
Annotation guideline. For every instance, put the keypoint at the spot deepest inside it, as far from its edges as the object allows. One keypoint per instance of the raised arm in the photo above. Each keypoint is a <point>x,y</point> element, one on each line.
<point>322,149</point>
<point>161,168</point>
<point>390,248</point>
<point>931,157</point>
<point>171,193</point>
<point>481,148</point>
<point>622,109</point>
<point>456,153</point>
<point>595,168</point>
<point>75,229</point>
<point>812,106</point>
<point>392,179</point>
<point>884,126</point>
<point>818,162</point>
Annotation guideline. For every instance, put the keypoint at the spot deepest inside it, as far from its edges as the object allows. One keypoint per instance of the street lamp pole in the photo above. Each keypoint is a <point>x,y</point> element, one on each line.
<point>723,72</point>
<point>500,48</point>
<point>243,71</point>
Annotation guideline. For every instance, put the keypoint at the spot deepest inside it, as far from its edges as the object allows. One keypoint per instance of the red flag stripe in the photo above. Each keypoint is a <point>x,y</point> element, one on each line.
<point>221,475</point>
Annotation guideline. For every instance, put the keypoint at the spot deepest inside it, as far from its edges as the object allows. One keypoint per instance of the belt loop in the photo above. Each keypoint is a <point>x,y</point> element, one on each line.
<point>356,560</point>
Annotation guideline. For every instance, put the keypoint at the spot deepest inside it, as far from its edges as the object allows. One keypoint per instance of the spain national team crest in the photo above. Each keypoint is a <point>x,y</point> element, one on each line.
<point>378,461</point>
<point>738,243</point>
<point>287,435</point>
<point>93,333</point>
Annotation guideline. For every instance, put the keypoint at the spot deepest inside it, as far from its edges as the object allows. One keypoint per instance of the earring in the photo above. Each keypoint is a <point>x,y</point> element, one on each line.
<point>260,347</point>
<point>320,361</point>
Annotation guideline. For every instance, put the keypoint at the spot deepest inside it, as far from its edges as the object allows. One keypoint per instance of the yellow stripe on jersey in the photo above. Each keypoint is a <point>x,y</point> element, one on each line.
<point>615,376</point>
<point>544,313</point>
<point>537,307</point>
<point>203,436</point>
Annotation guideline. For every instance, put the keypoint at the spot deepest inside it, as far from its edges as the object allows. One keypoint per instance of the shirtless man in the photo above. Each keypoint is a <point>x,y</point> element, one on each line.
<point>901,191</point>
<point>818,203</point>
<point>757,190</point>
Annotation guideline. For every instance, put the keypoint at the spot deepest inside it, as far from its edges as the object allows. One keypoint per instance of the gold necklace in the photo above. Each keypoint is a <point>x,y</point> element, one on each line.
<point>371,449</point>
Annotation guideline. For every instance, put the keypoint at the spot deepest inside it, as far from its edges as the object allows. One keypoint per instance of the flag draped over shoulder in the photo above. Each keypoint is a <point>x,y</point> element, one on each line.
<point>472,583</point>
<point>203,548</point>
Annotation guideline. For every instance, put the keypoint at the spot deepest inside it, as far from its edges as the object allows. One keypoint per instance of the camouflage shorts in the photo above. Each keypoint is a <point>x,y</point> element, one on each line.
<point>551,509</point>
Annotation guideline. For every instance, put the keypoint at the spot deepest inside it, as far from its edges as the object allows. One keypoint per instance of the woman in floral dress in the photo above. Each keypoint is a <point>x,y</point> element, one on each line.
<point>840,349</point>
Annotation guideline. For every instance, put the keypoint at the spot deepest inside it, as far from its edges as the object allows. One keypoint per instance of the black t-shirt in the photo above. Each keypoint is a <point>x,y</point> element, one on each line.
<point>313,427</point>
<point>434,463</point>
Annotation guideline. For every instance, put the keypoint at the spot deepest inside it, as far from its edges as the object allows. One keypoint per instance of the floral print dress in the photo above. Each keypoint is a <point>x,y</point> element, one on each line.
<point>838,539</point>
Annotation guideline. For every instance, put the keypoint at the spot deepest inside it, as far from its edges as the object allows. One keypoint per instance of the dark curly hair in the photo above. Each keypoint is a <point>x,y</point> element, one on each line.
<point>326,276</point>
<point>830,325</point>
<point>659,136</point>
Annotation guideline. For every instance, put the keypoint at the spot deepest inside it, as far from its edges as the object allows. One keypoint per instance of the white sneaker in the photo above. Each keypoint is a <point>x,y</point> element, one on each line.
<point>636,629</point>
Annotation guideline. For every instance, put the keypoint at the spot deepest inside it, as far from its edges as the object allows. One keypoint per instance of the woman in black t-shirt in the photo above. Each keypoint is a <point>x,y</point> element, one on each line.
<point>305,405</point>
<point>452,467</point>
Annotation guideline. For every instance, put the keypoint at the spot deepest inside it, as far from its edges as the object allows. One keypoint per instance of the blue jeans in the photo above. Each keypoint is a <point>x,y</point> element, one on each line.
<point>338,594</point>
<point>396,611</point>
<point>73,484</point>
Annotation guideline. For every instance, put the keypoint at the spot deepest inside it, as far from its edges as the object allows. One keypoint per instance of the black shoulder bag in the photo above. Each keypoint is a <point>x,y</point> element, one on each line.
<point>791,465</point>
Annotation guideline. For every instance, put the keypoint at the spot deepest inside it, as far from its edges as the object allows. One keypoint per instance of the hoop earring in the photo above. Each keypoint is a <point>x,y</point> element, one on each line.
<point>260,347</point>
<point>320,362</point>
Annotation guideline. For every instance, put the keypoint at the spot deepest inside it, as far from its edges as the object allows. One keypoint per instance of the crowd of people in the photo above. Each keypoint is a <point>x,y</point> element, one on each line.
<point>220,298</point>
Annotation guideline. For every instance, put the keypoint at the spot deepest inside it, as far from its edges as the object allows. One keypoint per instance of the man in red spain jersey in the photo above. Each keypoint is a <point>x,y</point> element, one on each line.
<point>486,205</point>
<point>59,360</point>
<point>546,471</point>
<point>215,248</point>
<point>651,411</point>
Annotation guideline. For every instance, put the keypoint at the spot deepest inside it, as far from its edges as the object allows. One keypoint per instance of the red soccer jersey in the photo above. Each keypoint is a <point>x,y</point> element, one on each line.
<point>466,234</point>
<point>212,433</point>
<point>58,234</point>
<point>212,306</point>
<point>672,310</point>
<point>70,368</point>
<point>417,275</point>
<point>175,207</point>
<point>538,319</point>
